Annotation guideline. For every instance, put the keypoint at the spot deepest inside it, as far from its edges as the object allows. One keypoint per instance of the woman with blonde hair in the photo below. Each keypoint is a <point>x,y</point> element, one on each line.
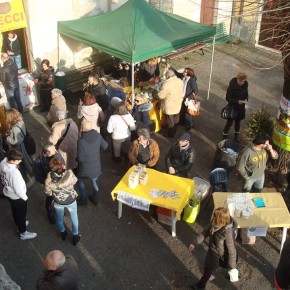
<point>91,111</point>
<point>221,249</point>
<point>237,96</point>
<point>16,132</point>
<point>140,112</point>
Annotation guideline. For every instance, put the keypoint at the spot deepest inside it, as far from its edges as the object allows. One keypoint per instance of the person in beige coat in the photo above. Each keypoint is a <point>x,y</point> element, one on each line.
<point>58,103</point>
<point>68,147</point>
<point>171,94</point>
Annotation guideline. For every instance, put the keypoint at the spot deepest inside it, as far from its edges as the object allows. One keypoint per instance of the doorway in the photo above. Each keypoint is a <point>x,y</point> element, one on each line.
<point>21,35</point>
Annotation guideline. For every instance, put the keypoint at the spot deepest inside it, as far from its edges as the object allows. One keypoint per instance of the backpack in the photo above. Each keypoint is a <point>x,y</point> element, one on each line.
<point>29,142</point>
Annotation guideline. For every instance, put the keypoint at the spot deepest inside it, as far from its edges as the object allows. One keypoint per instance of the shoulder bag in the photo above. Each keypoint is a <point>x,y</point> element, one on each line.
<point>62,137</point>
<point>125,147</point>
<point>228,112</point>
<point>193,108</point>
<point>29,142</point>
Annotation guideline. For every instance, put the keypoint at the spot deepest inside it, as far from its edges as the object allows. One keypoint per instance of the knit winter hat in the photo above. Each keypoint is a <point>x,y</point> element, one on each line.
<point>184,137</point>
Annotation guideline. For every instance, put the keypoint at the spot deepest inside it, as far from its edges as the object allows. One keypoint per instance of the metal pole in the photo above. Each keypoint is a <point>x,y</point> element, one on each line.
<point>132,84</point>
<point>212,55</point>
<point>58,51</point>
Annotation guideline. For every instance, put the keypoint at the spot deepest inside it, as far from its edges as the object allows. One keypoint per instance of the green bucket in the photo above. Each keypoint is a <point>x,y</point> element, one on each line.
<point>191,210</point>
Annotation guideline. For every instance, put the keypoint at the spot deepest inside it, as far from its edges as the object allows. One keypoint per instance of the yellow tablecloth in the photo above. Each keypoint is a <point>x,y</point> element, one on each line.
<point>274,215</point>
<point>157,116</point>
<point>158,180</point>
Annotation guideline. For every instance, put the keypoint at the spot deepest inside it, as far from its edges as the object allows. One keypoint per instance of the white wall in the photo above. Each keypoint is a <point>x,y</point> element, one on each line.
<point>187,8</point>
<point>224,12</point>
<point>117,3</point>
<point>42,17</point>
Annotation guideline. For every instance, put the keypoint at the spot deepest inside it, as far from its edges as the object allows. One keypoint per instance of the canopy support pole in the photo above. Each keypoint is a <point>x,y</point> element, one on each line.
<point>211,65</point>
<point>132,84</point>
<point>58,51</point>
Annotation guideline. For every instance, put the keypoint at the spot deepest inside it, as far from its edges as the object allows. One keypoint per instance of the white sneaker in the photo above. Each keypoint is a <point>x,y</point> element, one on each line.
<point>27,223</point>
<point>28,235</point>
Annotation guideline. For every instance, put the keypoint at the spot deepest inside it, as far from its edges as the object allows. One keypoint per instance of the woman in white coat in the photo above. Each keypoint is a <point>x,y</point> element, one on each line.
<point>120,125</point>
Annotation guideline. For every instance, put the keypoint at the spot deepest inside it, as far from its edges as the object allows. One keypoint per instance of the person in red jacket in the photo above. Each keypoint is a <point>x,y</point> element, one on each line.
<point>46,85</point>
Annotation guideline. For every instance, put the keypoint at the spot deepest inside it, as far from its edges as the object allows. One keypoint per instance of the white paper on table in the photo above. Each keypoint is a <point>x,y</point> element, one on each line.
<point>153,193</point>
<point>141,203</point>
<point>125,197</point>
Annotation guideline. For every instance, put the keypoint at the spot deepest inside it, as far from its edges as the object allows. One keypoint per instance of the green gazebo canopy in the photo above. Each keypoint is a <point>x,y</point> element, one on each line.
<point>136,31</point>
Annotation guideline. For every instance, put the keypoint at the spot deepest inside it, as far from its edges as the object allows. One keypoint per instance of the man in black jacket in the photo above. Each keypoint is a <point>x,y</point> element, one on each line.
<point>9,79</point>
<point>61,272</point>
<point>96,86</point>
<point>180,157</point>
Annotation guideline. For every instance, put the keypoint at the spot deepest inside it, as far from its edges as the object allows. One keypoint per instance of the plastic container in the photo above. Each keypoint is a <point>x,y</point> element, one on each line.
<point>201,187</point>
<point>164,215</point>
<point>59,81</point>
<point>247,240</point>
<point>227,154</point>
<point>191,210</point>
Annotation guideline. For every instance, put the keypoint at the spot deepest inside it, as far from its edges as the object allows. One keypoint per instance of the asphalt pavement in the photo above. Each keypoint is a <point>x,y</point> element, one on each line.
<point>137,252</point>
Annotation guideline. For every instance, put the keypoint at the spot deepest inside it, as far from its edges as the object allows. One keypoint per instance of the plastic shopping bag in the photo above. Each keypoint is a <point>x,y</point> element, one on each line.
<point>193,108</point>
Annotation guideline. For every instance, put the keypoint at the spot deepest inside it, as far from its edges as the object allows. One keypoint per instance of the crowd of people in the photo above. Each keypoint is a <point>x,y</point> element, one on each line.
<point>72,153</point>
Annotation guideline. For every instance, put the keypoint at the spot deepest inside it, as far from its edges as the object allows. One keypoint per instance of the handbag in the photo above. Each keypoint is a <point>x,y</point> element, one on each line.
<point>228,112</point>
<point>29,142</point>
<point>193,108</point>
<point>125,147</point>
<point>62,137</point>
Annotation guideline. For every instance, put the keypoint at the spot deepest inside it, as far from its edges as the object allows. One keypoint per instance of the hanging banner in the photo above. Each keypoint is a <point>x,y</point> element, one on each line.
<point>12,15</point>
<point>281,132</point>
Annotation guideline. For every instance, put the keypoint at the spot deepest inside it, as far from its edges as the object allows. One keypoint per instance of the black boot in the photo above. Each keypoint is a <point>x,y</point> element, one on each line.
<point>171,132</point>
<point>64,235</point>
<point>76,239</point>
<point>117,159</point>
<point>237,135</point>
<point>51,218</point>
<point>225,135</point>
<point>118,167</point>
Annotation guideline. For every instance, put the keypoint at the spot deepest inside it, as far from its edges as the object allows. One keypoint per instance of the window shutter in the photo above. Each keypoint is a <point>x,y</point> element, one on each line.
<point>163,5</point>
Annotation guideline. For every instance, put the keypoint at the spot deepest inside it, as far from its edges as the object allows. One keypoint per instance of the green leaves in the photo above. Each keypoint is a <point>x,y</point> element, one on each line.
<point>260,121</point>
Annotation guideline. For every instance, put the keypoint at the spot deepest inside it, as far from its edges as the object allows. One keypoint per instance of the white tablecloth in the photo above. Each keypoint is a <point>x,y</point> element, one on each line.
<point>28,93</point>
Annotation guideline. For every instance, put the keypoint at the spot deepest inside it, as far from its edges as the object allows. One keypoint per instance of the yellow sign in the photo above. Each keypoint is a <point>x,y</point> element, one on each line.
<point>12,15</point>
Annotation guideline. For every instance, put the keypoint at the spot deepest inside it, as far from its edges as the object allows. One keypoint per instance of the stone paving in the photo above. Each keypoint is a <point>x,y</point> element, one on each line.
<point>137,252</point>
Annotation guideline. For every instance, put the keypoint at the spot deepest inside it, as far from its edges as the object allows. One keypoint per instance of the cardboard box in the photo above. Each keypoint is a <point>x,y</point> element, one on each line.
<point>247,240</point>
<point>269,189</point>
<point>164,215</point>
